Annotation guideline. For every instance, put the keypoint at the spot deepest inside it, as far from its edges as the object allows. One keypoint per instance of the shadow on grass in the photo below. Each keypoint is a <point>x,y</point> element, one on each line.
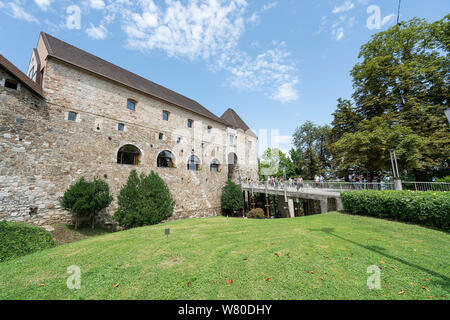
<point>382,251</point>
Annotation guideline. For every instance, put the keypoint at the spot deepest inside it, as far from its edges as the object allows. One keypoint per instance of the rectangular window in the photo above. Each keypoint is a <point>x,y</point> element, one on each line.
<point>190,123</point>
<point>179,140</point>
<point>161,136</point>
<point>11,84</point>
<point>131,105</point>
<point>231,140</point>
<point>249,144</point>
<point>209,129</point>
<point>121,127</point>
<point>72,116</point>
<point>166,115</point>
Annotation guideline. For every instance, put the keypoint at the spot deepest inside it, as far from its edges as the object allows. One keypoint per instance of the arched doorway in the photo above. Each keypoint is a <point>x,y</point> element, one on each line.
<point>129,155</point>
<point>165,160</point>
<point>193,163</point>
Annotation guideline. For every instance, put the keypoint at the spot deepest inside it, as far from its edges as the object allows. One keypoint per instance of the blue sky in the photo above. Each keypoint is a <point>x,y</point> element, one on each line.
<point>277,63</point>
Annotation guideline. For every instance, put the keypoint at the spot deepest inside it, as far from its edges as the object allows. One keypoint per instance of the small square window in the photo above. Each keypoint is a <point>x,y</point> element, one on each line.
<point>72,116</point>
<point>121,127</point>
<point>11,84</point>
<point>166,115</point>
<point>161,136</point>
<point>131,105</point>
<point>190,123</point>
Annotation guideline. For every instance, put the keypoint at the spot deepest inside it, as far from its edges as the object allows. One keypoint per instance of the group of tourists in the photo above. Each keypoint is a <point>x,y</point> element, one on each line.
<point>276,182</point>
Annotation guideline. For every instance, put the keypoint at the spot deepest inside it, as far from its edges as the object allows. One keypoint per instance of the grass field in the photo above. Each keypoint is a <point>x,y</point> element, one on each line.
<point>316,257</point>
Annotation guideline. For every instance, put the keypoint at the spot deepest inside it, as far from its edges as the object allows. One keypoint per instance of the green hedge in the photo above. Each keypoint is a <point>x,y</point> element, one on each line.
<point>424,208</point>
<point>18,239</point>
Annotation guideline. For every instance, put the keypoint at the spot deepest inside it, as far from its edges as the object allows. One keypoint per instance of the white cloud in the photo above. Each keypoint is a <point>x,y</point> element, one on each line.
<point>2,5</point>
<point>97,33</point>
<point>195,29</point>
<point>346,6</point>
<point>338,33</point>
<point>18,12</point>
<point>271,71</point>
<point>43,4</point>
<point>97,4</point>
<point>255,18</point>
<point>286,93</point>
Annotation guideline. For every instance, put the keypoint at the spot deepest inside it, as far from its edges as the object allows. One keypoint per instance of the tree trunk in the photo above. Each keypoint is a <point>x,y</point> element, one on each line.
<point>93,221</point>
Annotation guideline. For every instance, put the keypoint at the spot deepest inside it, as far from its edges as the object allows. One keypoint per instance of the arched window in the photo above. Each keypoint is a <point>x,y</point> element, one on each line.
<point>215,165</point>
<point>165,160</point>
<point>193,163</point>
<point>129,154</point>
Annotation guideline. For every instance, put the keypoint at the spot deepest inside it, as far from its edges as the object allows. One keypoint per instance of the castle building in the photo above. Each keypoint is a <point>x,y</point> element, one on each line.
<point>75,115</point>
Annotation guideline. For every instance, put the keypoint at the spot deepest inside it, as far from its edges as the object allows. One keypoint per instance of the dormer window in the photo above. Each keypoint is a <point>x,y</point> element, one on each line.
<point>31,74</point>
<point>131,105</point>
<point>11,84</point>
<point>166,115</point>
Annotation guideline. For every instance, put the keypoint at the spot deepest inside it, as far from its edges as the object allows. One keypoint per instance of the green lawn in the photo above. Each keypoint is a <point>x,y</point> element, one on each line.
<point>316,257</point>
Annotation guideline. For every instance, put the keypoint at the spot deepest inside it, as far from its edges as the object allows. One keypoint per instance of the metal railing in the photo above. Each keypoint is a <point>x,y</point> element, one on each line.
<point>328,185</point>
<point>426,186</point>
<point>348,186</point>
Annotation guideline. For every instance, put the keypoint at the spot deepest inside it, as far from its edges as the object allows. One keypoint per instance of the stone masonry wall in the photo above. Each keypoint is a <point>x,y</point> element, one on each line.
<point>42,153</point>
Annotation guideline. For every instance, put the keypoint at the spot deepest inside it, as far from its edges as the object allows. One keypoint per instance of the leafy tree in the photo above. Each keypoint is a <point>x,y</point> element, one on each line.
<point>273,161</point>
<point>86,199</point>
<point>311,143</point>
<point>231,199</point>
<point>369,146</point>
<point>402,78</point>
<point>144,200</point>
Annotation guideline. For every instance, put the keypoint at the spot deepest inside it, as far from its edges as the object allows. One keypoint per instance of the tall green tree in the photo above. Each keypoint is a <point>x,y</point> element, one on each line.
<point>272,162</point>
<point>402,79</point>
<point>311,142</point>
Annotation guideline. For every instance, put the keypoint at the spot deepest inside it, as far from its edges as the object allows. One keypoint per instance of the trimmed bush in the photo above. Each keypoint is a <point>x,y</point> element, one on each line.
<point>231,201</point>
<point>424,208</point>
<point>18,239</point>
<point>144,200</point>
<point>86,199</point>
<point>257,213</point>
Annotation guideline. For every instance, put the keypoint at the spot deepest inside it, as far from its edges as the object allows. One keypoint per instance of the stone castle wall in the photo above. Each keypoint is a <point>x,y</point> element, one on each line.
<point>42,153</point>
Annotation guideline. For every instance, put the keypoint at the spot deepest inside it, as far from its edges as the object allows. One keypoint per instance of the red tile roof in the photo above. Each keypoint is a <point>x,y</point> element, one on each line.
<point>234,121</point>
<point>66,52</point>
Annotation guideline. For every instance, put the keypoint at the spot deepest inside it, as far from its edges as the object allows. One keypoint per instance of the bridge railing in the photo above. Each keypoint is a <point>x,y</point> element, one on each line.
<point>426,186</point>
<point>326,185</point>
<point>348,186</point>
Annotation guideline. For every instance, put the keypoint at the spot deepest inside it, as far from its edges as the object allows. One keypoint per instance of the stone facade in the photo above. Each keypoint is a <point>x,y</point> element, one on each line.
<point>43,152</point>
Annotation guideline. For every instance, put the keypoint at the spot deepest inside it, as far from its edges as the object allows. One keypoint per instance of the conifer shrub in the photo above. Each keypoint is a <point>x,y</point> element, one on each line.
<point>85,199</point>
<point>144,200</point>
<point>231,201</point>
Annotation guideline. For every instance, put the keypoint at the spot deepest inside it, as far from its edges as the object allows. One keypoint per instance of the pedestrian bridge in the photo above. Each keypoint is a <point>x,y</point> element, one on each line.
<point>289,196</point>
